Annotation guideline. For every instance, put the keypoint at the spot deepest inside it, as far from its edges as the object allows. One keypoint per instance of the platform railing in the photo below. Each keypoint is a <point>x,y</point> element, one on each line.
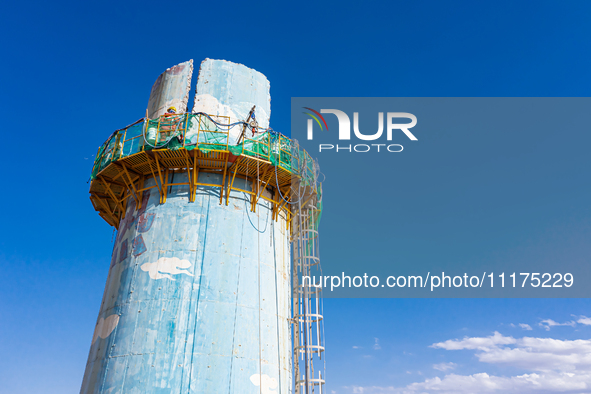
<point>204,132</point>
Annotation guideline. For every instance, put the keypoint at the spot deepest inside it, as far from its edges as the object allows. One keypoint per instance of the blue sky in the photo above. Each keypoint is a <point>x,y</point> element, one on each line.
<point>72,72</point>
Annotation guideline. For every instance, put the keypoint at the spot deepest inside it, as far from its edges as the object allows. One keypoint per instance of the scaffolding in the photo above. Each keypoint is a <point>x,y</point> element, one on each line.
<point>193,143</point>
<point>204,132</point>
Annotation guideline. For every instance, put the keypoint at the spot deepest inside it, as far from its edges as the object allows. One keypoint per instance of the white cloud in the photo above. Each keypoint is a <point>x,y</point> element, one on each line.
<point>485,383</point>
<point>542,354</point>
<point>549,323</point>
<point>475,343</point>
<point>445,366</point>
<point>526,327</point>
<point>376,345</point>
<point>584,320</point>
<point>550,366</point>
<point>534,354</point>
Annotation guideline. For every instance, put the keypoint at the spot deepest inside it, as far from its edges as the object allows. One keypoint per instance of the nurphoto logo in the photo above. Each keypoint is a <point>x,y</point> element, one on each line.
<point>345,130</point>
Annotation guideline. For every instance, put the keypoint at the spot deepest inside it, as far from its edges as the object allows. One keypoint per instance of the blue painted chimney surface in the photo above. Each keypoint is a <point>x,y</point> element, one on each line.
<point>197,298</point>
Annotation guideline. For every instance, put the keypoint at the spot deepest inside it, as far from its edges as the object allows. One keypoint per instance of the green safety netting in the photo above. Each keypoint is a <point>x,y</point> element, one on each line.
<point>203,132</point>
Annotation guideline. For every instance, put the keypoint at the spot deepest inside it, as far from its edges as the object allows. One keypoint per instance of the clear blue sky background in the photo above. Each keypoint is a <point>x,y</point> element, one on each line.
<point>72,72</point>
